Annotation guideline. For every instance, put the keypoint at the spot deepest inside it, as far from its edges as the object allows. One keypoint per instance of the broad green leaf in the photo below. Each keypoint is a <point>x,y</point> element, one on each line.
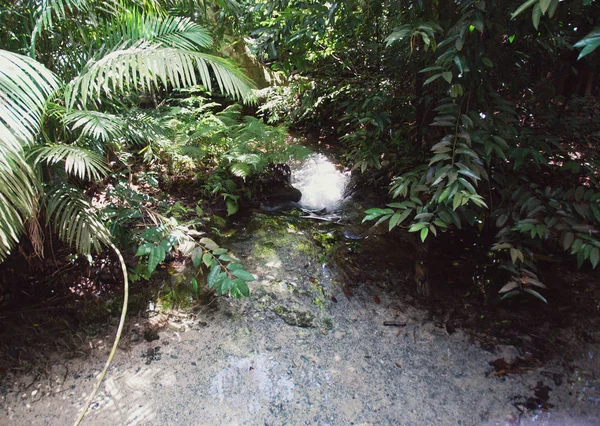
<point>209,244</point>
<point>242,287</point>
<point>208,259</point>
<point>447,75</point>
<point>544,5</point>
<point>197,257</point>
<point>215,270</point>
<point>144,249</point>
<point>157,255</point>
<point>568,239</point>
<point>552,8</point>
<point>243,274</point>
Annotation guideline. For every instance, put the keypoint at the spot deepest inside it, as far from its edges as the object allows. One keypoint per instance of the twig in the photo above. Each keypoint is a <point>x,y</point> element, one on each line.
<point>394,324</point>
<point>117,338</point>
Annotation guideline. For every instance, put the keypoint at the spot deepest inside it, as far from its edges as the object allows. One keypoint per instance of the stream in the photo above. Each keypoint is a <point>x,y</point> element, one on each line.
<point>332,335</point>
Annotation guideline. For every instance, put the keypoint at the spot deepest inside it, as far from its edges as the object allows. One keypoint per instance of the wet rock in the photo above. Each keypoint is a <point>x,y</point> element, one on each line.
<point>297,318</point>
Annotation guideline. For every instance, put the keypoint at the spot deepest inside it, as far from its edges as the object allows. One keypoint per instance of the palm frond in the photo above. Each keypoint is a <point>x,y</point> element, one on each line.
<point>79,162</point>
<point>143,127</point>
<point>48,11</point>
<point>25,85</point>
<point>171,31</point>
<point>18,198</point>
<point>75,220</point>
<point>96,125</point>
<point>144,66</point>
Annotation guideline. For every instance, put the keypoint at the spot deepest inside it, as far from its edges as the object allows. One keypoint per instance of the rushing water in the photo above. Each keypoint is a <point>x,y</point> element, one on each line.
<point>321,183</point>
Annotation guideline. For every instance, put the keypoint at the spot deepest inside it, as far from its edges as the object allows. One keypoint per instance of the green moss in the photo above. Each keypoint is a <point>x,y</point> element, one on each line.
<point>295,317</point>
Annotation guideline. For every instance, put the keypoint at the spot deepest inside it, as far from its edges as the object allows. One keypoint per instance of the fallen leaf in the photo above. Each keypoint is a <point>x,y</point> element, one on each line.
<point>377,299</point>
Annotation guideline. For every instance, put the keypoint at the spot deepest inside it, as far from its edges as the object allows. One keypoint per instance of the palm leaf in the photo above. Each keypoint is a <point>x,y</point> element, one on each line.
<point>49,10</point>
<point>18,198</point>
<point>24,87</point>
<point>79,162</point>
<point>171,31</point>
<point>96,125</point>
<point>143,66</point>
<point>75,220</point>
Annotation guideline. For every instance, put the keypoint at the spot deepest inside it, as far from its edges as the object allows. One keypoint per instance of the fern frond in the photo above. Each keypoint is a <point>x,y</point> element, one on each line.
<point>75,220</point>
<point>79,162</point>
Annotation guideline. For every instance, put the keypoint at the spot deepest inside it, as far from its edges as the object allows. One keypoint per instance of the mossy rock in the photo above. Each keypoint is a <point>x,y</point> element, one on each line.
<point>297,318</point>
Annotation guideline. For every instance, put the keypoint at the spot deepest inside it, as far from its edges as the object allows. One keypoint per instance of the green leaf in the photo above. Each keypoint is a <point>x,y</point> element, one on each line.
<point>510,294</point>
<point>568,239</point>
<point>515,255</point>
<point>447,75</point>
<point>594,257</point>
<point>544,5</point>
<point>197,257</point>
<point>417,227</point>
<point>209,244</point>
<point>552,8</point>
<point>242,287</point>
<point>232,207</point>
<point>194,283</point>
<point>398,218</point>
<point>589,43</point>
<point>439,157</point>
<point>157,255</point>
<point>523,7</point>
<point>144,249</point>
<point>431,79</point>
<point>424,233</point>
<point>535,293</point>
<point>214,272</point>
<point>511,285</point>
<point>243,274</point>
<point>207,259</point>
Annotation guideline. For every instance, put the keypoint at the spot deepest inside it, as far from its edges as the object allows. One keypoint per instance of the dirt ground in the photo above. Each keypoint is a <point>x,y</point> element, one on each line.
<point>315,346</point>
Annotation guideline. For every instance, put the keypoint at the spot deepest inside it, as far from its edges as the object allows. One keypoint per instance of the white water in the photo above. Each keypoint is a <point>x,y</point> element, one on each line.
<point>321,184</point>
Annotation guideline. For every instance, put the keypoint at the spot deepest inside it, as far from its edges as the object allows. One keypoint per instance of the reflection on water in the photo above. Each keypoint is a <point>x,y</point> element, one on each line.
<point>321,184</point>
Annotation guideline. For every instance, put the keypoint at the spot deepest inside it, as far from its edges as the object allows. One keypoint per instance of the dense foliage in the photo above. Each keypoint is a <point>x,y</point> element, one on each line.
<point>471,113</point>
<point>480,113</point>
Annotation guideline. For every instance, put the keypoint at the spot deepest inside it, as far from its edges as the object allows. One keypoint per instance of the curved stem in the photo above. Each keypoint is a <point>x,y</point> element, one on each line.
<point>117,338</point>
